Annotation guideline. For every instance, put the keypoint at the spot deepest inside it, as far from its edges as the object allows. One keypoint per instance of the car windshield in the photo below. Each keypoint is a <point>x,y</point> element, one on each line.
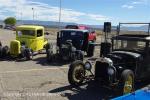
<point>72,34</point>
<point>26,32</point>
<point>128,45</point>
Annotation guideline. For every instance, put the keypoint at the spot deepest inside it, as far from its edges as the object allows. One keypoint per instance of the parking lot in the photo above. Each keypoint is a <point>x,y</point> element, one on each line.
<point>40,80</point>
<point>37,79</point>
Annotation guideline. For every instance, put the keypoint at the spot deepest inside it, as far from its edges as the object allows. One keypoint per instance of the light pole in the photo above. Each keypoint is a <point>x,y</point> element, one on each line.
<point>60,5</point>
<point>33,13</point>
<point>21,18</point>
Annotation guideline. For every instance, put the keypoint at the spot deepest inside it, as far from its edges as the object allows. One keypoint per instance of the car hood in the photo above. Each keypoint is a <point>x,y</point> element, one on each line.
<point>127,53</point>
<point>123,57</point>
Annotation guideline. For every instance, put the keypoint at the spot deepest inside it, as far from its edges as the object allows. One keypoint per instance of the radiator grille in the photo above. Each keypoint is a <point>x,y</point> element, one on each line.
<point>101,71</point>
<point>15,47</point>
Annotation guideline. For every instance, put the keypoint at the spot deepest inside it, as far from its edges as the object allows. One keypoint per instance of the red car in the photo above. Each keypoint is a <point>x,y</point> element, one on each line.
<point>92,34</point>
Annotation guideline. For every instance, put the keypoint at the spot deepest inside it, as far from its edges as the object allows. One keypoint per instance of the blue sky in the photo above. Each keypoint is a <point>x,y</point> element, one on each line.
<point>78,11</point>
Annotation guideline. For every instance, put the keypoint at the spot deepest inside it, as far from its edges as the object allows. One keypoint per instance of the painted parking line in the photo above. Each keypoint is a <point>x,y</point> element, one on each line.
<point>30,70</point>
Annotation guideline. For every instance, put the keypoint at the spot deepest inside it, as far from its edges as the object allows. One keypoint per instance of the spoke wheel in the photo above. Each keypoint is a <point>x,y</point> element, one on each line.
<point>128,85</point>
<point>76,73</point>
<point>127,82</point>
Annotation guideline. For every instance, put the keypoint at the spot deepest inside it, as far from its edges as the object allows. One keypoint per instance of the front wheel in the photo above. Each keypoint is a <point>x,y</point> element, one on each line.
<point>28,54</point>
<point>127,82</point>
<point>76,73</point>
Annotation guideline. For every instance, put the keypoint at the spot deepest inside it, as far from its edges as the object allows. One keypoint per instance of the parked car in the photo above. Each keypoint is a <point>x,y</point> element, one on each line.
<point>127,62</point>
<point>29,41</point>
<point>92,33</point>
<point>10,27</point>
<point>3,50</point>
<point>72,43</point>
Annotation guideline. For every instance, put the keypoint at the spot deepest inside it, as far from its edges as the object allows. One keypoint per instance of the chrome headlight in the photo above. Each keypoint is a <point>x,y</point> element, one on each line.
<point>111,71</point>
<point>88,65</point>
<point>109,61</point>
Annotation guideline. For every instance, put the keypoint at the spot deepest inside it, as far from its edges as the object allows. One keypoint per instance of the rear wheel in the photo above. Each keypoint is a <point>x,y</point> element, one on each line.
<point>0,51</point>
<point>127,82</point>
<point>5,51</point>
<point>76,73</point>
<point>49,52</point>
<point>0,43</point>
<point>49,55</point>
<point>81,56</point>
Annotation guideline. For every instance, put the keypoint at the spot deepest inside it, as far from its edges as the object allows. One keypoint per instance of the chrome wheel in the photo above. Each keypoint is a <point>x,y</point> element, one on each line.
<point>128,86</point>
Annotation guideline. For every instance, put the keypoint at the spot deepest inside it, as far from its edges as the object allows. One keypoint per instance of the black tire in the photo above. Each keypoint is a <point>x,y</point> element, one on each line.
<point>81,56</point>
<point>73,57</point>
<point>28,54</point>
<point>127,82</point>
<point>0,44</point>
<point>77,67</point>
<point>5,51</point>
<point>22,49</point>
<point>90,51</point>
<point>0,51</point>
<point>49,52</point>
<point>49,55</point>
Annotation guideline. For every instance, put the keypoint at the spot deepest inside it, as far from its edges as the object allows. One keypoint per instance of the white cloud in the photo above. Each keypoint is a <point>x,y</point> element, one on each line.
<point>127,6</point>
<point>140,2</point>
<point>42,11</point>
<point>135,3</point>
<point>98,17</point>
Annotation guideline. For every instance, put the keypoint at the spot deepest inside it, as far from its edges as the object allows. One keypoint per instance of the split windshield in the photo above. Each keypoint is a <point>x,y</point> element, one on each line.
<point>72,34</point>
<point>26,32</point>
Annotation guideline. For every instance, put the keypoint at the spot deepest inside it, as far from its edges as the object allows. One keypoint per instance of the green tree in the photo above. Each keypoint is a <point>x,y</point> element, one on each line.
<point>10,21</point>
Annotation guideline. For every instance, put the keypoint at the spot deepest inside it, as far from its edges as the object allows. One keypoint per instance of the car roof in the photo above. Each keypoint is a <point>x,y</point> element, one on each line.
<point>132,37</point>
<point>32,27</point>
<point>79,30</point>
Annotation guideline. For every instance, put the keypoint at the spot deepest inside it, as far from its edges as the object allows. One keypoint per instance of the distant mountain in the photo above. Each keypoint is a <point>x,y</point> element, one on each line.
<point>44,23</point>
<point>137,28</point>
<point>55,24</point>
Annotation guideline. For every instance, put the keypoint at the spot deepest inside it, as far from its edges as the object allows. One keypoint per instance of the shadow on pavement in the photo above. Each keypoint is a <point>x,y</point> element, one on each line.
<point>92,91</point>
<point>43,61</point>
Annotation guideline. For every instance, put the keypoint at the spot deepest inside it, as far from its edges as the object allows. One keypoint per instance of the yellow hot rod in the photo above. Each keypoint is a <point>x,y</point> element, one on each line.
<point>29,40</point>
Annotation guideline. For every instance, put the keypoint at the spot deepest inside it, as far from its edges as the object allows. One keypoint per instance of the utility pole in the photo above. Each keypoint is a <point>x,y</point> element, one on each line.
<point>60,8</point>
<point>21,18</point>
<point>33,13</point>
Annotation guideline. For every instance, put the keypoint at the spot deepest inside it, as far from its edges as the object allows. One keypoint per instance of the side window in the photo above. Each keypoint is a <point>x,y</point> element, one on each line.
<point>39,33</point>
